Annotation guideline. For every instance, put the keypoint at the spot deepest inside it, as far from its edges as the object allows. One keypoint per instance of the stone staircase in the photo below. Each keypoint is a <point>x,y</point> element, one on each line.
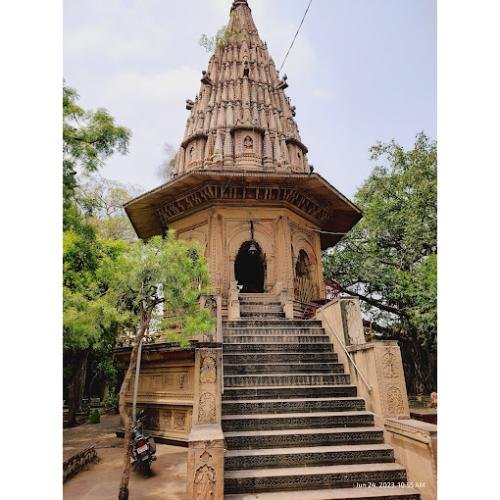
<point>293,424</point>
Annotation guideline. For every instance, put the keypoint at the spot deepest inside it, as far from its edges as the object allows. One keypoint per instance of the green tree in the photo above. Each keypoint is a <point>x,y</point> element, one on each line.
<point>89,138</point>
<point>101,203</point>
<point>162,278</point>
<point>389,259</point>
<point>89,324</point>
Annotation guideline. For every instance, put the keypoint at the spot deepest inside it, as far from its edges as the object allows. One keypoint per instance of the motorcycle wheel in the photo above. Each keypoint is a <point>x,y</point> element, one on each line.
<point>146,469</point>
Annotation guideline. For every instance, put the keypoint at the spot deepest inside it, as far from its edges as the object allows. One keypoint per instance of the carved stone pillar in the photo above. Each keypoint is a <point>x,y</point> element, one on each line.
<point>285,270</point>
<point>205,468</point>
<point>380,362</point>
<point>233,309</point>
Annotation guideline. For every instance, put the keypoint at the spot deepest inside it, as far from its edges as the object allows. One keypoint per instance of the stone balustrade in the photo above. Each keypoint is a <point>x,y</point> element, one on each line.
<point>376,368</point>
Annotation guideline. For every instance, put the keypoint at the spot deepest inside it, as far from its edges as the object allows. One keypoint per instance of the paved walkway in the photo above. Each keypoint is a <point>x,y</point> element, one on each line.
<point>100,481</point>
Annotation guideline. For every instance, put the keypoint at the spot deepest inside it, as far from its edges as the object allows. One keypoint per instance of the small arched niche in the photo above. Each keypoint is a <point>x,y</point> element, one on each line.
<point>250,267</point>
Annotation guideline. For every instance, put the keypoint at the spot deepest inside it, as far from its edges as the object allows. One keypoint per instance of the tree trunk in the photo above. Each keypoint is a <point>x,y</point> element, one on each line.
<point>77,385</point>
<point>419,366</point>
<point>127,423</point>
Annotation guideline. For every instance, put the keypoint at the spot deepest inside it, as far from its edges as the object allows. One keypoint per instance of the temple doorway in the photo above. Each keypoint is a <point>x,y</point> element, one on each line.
<point>250,268</point>
<point>304,286</point>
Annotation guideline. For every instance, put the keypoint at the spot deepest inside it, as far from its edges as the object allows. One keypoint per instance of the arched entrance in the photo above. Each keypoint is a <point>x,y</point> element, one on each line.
<point>304,288</point>
<point>250,268</point>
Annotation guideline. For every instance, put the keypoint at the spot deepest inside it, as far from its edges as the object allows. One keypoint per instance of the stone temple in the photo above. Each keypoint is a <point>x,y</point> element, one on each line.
<point>242,179</point>
<point>277,404</point>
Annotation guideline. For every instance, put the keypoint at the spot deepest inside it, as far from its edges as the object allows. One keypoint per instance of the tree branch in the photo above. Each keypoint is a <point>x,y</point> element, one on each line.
<point>372,302</point>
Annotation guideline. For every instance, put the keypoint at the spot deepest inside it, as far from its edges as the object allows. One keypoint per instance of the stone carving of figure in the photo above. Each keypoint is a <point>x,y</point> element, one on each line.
<point>204,483</point>
<point>248,143</point>
<point>388,365</point>
<point>208,371</point>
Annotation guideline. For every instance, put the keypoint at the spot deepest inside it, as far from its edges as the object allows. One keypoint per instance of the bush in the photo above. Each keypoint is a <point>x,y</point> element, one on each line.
<point>110,401</point>
<point>95,417</point>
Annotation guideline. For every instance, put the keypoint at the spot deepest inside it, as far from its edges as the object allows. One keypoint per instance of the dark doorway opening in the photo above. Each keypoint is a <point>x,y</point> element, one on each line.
<point>250,268</point>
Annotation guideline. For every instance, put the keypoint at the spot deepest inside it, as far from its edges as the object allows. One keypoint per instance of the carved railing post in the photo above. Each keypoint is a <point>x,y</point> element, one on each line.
<point>214,304</point>
<point>205,469</point>
<point>234,302</point>
<point>287,303</point>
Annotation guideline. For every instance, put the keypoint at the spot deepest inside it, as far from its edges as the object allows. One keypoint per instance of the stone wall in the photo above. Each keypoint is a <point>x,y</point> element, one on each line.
<point>79,461</point>
<point>280,232</point>
<point>166,391</point>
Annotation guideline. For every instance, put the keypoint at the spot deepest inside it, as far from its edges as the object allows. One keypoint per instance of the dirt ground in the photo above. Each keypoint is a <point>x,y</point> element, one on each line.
<point>100,481</point>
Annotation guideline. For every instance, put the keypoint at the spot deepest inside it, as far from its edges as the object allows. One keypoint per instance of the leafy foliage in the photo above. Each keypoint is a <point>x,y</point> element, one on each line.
<point>90,323</point>
<point>165,276</point>
<point>89,138</point>
<point>223,36</point>
<point>389,259</point>
<point>87,312</point>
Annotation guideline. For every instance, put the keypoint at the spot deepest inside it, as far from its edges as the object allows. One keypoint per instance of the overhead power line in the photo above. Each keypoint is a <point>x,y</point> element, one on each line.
<point>295,37</point>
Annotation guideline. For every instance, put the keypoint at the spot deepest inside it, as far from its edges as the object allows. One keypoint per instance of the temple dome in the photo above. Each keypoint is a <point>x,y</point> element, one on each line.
<point>241,117</point>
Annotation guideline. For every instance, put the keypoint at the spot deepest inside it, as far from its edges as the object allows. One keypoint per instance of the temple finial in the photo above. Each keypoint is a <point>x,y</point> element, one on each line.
<point>238,2</point>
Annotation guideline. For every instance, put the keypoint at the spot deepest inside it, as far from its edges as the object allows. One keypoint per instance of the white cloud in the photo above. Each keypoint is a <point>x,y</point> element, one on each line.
<point>115,33</point>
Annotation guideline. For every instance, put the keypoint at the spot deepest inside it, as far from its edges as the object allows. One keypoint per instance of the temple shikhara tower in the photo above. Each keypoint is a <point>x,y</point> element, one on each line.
<point>287,400</point>
<point>242,184</point>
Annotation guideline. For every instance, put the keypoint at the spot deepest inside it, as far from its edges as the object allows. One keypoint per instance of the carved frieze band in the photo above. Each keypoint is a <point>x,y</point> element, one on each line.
<point>212,192</point>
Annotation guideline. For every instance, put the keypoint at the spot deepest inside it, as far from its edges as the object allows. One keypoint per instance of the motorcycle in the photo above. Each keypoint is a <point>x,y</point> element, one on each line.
<point>143,448</point>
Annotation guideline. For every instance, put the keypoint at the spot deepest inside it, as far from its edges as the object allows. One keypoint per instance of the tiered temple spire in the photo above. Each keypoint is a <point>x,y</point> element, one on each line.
<point>241,118</point>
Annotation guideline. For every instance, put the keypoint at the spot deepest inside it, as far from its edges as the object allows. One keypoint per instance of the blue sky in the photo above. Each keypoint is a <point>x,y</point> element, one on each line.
<point>361,71</point>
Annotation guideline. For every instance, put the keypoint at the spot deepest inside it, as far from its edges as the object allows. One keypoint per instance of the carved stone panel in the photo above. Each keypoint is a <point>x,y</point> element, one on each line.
<point>208,370</point>
<point>204,483</point>
<point>206,408</point>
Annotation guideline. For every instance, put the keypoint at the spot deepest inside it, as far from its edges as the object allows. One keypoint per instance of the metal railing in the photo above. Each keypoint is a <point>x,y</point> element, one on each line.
<point>348,354</point>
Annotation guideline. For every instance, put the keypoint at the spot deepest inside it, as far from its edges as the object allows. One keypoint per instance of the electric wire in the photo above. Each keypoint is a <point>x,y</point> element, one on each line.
<point>295,37</point>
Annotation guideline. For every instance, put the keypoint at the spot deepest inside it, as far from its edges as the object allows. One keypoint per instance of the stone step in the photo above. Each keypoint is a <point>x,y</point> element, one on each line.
<point>281,357</point>
<point>330,476</point>
<point>258,296</point>
<point>309,420</point>
<point>272,323</point>
<point>262,314</point>
<point>275,339</point>
<point>252,302</point>
<point>285,379</point>
<point>267,308</point>
<point>269,330</point>
<point>308,456</point>
<point>243,369</point>
<point>277,348</point>
<point>255,406</point>
<point>380,493</point>
<point>289,392</point>
<point>293,438</point>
